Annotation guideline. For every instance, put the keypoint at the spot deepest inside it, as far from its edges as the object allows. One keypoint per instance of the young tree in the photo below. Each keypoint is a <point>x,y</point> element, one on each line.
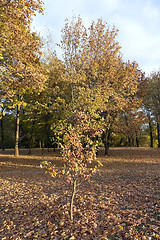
<point>78,152</point>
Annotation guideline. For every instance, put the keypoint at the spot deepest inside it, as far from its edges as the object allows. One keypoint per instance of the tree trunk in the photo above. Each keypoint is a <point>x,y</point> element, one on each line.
<point>107,144</point>
<point>72,199</point>
<point>44,135</point>
<point>151,134</point>
<point>158,134</point>
<point>106,148</point>
<point>2,131</point>
<point>43,146</point>
<point>48,147</point>
<point>105,140</point>
<point>108,138</point>
<point>129,142</point>
<point>31,138</point>
<point>16,153</point>
<point>137,141</point>
<point>54,147</point>
<point>30,148</point>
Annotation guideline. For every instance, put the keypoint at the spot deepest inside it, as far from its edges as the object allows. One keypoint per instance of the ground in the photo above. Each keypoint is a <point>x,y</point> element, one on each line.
<point>122,201</point>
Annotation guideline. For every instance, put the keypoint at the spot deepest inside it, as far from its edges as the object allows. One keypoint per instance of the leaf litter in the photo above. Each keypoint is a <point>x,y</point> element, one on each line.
<point>122,201</point>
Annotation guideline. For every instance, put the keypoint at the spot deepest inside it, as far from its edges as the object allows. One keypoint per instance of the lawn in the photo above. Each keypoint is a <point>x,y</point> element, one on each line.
<point>122,201</point>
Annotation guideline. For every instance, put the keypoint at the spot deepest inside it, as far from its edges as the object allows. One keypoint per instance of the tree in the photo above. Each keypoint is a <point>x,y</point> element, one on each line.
<point>154,84</point>
<point>100,82</point>
<point>129,125</point>
<point>47,109</point>
<point>78,152</point>
<point>151,103</point>
<point>7,130</point>
<point>21,69</point>
<point>2,128</point>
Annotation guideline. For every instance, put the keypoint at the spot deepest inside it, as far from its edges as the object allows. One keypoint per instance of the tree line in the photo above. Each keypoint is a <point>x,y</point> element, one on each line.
<point>41,94</point>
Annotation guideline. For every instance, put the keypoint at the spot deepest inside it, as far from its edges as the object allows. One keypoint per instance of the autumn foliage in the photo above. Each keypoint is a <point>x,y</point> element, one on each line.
<point>78,153</point>
<point>21,71</point>
<point>87,99</point>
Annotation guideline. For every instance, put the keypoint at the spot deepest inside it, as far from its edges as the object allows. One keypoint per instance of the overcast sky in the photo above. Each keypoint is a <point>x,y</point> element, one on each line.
<point>138,22</point>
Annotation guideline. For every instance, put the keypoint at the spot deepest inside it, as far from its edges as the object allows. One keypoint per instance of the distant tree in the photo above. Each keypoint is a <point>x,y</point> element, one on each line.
<point>7,131</point>
<point>45,110</point>
<point>2,126</point>
<point>151,103</point>
<point>129,125</point>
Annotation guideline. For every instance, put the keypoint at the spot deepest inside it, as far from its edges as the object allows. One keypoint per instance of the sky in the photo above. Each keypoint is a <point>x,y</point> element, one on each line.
<point>138,22</point>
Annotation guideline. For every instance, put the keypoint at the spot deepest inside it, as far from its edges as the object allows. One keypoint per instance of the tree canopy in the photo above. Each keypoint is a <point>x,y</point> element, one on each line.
<point>91,77</point>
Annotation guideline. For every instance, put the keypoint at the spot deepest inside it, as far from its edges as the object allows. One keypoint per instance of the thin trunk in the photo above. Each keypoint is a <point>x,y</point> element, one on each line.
<point>129,141</point>
<point>105,140</point>
<point>158,134</point>
<point>40,144</point>
<point>2,131</point>
<point>16,153</point>
<point>54,147</point>
<point>72,199</point>
<point>151,134</point>
<point>97,150</point>
<point>121,141</point>
<point>43,146</point>
<point>108,138</point>
<point>31,138</point>
<point>44,135</point>
<point>137,141</point>
<point>106,148</point>
<point>30,148</point>
<point>106,144</point>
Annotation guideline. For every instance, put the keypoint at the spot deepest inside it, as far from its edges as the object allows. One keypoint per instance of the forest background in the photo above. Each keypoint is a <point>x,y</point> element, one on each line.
<point>41,93</point>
